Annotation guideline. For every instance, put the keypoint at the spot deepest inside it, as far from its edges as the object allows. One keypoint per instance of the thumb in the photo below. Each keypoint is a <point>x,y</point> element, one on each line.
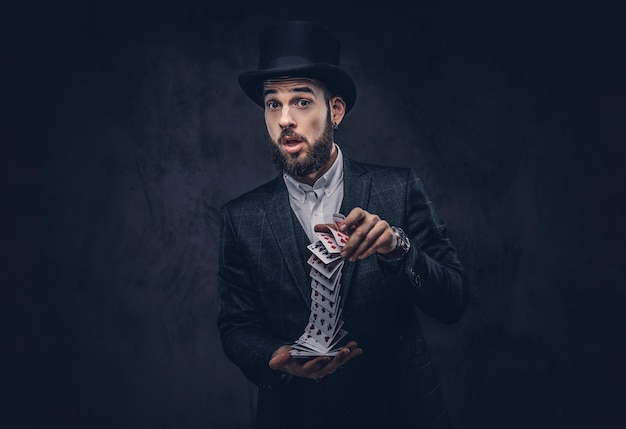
<point>322,227</point>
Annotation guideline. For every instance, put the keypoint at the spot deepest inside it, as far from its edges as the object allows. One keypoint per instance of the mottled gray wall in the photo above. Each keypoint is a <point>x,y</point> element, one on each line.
<point>124,130</point>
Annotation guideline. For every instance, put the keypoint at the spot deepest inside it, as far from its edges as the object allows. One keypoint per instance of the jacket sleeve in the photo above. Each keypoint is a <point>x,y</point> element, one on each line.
<point>241,322</point>
<point>431,271</point>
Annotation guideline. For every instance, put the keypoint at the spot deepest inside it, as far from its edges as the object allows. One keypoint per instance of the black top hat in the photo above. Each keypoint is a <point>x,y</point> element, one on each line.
<point>299,49</point>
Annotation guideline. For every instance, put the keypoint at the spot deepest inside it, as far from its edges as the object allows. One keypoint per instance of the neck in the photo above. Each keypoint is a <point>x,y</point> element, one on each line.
<point>312,178</point>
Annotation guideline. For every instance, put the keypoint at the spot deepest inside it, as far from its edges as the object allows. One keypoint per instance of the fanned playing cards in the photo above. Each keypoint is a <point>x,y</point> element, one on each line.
<point>323,331</point>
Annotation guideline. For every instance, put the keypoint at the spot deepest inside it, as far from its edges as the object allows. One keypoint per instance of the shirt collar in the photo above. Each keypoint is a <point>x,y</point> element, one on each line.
<point>328,183</point>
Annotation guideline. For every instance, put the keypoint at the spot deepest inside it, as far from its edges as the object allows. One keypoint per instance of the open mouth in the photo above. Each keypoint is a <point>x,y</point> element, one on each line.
<point>292,144</point>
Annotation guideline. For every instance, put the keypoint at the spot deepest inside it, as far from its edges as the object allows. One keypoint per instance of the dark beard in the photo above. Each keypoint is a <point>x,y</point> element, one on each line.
<point>316,158</point>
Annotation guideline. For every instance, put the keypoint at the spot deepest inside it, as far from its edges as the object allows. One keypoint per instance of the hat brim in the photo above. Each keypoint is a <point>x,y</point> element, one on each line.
<point>332,76</point>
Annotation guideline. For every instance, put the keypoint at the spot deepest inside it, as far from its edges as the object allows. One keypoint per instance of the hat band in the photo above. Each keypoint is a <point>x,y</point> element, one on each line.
<point>286,62</point>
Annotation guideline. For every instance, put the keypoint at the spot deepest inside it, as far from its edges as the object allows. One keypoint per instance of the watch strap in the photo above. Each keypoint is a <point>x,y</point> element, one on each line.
<point>402,246</point>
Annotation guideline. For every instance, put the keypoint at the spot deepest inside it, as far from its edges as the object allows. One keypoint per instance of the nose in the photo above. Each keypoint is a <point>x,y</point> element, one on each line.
<point>286,120</point>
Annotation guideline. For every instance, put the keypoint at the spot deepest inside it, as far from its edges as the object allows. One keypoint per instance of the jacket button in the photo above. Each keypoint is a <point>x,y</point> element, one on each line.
<point>416,279</point>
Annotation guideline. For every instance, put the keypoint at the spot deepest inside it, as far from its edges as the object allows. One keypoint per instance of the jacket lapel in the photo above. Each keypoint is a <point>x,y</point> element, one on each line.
<point>281,221</point>
<point>356,192</point>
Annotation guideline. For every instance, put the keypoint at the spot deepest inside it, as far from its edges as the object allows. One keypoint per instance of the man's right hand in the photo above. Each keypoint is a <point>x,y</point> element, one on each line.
<point>316,368</point>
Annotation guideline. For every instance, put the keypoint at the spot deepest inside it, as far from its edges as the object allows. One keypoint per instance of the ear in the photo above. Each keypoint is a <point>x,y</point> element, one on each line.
<point>337,109</point>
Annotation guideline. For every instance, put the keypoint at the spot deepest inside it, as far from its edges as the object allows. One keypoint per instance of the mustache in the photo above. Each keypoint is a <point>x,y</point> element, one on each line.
<point>288,132</point>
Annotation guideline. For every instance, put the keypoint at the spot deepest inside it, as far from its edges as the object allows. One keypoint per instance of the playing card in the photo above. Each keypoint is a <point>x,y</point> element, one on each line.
<point>299,351</point>
<point>308,354</point>
<point>330,283</point>
<point>323,301</point>
<point>327,270</point>
<point>337,219</point>
<point>322,253</point>
<point>326,325</point>
<point>328,240</point>
<point>303,349</point>
<point>322,343</point>
<point>341,333</point>
<point>326,339</point>
<point>319,312</point>
<point>340,237</point>
<point>308,341</point>
<point>329,293</point>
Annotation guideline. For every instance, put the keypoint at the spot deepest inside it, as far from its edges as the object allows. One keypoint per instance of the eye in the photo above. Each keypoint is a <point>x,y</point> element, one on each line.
<point>272,104</point>
<point>303,102</point>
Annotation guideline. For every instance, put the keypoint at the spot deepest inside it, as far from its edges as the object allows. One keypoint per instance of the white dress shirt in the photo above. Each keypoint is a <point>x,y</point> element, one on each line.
<point>317,204</point>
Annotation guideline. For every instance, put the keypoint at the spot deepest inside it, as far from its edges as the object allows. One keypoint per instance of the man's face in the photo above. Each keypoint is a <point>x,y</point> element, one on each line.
<point>297,117</point>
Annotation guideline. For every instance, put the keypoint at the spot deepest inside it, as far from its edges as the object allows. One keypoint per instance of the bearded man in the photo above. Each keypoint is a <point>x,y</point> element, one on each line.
<point>397,261</point>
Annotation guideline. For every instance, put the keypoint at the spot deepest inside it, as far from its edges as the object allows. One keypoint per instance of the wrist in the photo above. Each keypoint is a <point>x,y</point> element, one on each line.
<point>401,248</point>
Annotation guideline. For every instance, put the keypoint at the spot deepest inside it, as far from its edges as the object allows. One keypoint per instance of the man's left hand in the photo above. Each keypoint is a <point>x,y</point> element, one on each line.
<point>316,368</point>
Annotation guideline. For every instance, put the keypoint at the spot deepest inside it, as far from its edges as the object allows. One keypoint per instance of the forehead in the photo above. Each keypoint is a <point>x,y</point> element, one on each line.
<point>295,84</point>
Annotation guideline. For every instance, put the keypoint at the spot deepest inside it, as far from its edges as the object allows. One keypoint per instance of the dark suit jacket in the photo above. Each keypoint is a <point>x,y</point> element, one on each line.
<point>264,298</point>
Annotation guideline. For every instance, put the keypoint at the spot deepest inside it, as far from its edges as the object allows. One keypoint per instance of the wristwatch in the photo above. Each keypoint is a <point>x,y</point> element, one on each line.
<point>402,246</point>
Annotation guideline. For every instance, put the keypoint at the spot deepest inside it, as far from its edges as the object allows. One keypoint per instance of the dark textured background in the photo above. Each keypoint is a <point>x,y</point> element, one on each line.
<point>124,130</point>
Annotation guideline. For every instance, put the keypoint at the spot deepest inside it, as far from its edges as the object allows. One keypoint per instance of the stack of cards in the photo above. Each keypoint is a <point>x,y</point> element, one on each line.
<point>323,332</point>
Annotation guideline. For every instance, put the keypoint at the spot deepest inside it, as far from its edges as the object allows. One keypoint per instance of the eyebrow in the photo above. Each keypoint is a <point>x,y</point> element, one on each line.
<point>306,89</point>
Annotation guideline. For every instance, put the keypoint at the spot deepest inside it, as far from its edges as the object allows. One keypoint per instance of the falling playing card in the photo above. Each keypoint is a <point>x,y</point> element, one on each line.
<point>328,293</point>
<point>328,304</point>
<point>319,313</point>
<point>327,325</point>
<point>319,250</point>
<point>308,341</point>
<point>322,343</point>
<point>328,340</point>
<point>330,283</point>
<point>328,240</point>
<point>327,270</point>
<point>340,237</point>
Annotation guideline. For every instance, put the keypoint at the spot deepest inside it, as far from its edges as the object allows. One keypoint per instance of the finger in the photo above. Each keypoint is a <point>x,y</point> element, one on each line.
<point>375,238</point>
<point>369,233</point>
<point>327,365</point>
<point>356,237</point>
<point>385,243</point>
<point>341,358</point>
<point>351,345</point>
<point>345,355</point>
<point>315,365</point>
<point>280,360</point>
<point>372,249</point>
<point>323,227</point>
<point>353,353</point>
<point>350,350</point>
<point>354,218</point>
